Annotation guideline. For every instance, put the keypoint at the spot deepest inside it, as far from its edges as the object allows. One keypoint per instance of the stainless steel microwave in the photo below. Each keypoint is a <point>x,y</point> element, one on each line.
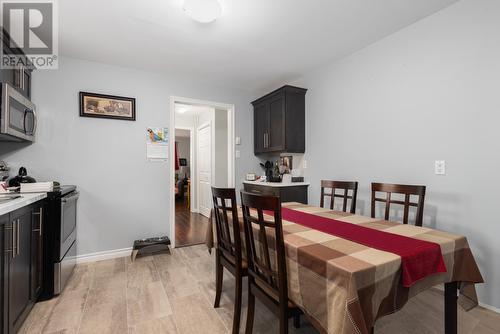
<point>17,116</point>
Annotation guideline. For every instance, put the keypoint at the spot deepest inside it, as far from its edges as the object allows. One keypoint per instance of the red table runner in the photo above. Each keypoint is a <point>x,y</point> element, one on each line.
<point>419,258</point>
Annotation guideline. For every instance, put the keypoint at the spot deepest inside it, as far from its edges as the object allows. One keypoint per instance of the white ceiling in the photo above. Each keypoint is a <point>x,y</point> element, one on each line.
<point>254,44</point>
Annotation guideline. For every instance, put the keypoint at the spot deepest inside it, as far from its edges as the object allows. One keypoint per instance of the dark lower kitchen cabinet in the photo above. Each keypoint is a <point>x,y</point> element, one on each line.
<point>21,264</point>
<point>286,193</point>
<point>37,251</point>
<point>19,268</point>
<point>279,121</point>
<point>5,249</point>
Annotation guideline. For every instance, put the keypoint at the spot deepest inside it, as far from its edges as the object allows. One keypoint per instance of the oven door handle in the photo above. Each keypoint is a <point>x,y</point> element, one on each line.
<point>71,198</point>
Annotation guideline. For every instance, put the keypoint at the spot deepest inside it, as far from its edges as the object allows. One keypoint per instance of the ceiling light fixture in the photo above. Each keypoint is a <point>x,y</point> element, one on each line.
<point>203,11</point>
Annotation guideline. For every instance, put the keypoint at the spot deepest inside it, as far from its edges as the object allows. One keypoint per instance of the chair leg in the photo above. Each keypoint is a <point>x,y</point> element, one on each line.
<point>283,322</point>
<point>237,304</point>
<point>296,321</point>
<point>219,272</point>
<point>250,311</point>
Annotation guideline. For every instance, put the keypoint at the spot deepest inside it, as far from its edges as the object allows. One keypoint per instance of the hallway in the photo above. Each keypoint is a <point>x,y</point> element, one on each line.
<point>190,227</point>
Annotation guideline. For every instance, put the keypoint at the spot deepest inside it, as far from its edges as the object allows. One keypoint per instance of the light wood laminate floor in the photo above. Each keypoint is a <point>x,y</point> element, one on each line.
<point>175,293</point>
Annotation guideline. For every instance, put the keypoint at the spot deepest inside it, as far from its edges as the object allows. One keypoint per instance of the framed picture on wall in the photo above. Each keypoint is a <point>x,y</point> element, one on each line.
<point>287,161</point>
<point>183,162</point>
<point>107,106</point>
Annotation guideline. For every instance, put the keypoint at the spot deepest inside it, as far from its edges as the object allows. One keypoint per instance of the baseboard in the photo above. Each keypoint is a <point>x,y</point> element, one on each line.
<point>491,308</point>
<point>105,255</point>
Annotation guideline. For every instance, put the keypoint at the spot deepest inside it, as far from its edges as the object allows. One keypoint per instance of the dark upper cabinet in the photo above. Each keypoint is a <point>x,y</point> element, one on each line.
<point>279,121</point>
<point>261,122</point>
<point>19,77</point>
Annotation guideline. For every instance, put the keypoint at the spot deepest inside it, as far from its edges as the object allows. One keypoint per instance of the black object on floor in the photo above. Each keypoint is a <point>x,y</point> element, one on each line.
<point>149,244</point>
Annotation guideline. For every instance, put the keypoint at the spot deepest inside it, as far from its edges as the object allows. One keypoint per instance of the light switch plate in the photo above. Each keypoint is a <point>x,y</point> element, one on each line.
<point>440,167</point>
<point>238,140</point>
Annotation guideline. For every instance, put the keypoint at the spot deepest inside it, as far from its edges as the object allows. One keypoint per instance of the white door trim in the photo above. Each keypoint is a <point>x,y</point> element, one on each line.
<point>230,161</point>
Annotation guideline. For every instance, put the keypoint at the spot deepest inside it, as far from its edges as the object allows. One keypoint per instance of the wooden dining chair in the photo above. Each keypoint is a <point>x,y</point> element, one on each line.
<point>342,185</point>
<point>228,252</point>
<point>267,275</point>
<point>407,191</point>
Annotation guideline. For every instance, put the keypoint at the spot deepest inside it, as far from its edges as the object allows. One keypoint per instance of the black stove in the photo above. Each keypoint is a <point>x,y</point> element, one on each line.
<point>62,190</point>
<point>59,239</point>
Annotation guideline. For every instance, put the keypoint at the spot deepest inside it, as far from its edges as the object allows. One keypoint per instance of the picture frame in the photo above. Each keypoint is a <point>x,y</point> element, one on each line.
<point>287,161</point>
<point>183,162</point>
<point>107,106</point>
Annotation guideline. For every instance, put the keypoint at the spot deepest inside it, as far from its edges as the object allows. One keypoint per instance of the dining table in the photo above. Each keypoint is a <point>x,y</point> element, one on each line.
<point>345,270</point>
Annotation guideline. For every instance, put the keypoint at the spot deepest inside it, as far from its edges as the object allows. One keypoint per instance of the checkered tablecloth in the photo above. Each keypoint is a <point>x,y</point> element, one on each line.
<point>343,286</point>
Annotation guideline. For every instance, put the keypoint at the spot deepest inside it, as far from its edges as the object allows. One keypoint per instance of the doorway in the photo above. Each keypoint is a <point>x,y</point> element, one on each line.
<point>201,157</point>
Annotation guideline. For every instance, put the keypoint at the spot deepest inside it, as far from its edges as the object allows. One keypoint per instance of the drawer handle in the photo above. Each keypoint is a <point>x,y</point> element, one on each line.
<point>40,219</point>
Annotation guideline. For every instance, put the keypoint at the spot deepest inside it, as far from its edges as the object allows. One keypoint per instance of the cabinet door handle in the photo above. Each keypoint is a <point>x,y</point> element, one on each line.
<point>11,249</point>
<point>22,77</point>
<point>17,243</point>
<point>14,238</point>
<point>40,222</point>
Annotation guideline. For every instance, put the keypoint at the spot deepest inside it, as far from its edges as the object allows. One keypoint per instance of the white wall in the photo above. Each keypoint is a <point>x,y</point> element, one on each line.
<point>185,121</point>
<point>220,151</point>
<point>190,121</point>
<point>183,151</point>
<point>123,197</point>
<point>426,93</point>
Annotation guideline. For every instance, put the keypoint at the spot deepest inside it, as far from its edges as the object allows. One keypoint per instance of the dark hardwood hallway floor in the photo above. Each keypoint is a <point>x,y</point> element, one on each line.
<point>190,228</point>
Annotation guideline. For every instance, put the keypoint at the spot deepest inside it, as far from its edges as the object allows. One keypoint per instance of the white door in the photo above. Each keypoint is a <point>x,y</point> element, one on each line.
<point>204,169</point>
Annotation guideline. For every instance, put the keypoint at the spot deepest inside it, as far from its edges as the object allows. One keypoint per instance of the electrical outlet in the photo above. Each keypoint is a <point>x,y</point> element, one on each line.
<point>237,154</point>
<point>440,167</point>
<point>304,164</point>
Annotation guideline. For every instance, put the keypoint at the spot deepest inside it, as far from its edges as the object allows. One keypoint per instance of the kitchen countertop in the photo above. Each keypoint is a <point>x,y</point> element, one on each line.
<point>277,184</point>
<point>25,199</point>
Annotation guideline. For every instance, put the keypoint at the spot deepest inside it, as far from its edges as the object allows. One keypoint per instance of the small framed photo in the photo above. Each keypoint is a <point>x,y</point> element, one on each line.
<point>107,106</point>
<point>287,161</point>
<point>183,162</point>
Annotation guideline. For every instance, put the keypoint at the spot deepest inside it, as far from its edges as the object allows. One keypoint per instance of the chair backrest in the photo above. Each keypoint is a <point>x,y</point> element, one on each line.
<point>264,237</point>
<point>229,244</point>
<point>342,185</point>
<point>407,191</point>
